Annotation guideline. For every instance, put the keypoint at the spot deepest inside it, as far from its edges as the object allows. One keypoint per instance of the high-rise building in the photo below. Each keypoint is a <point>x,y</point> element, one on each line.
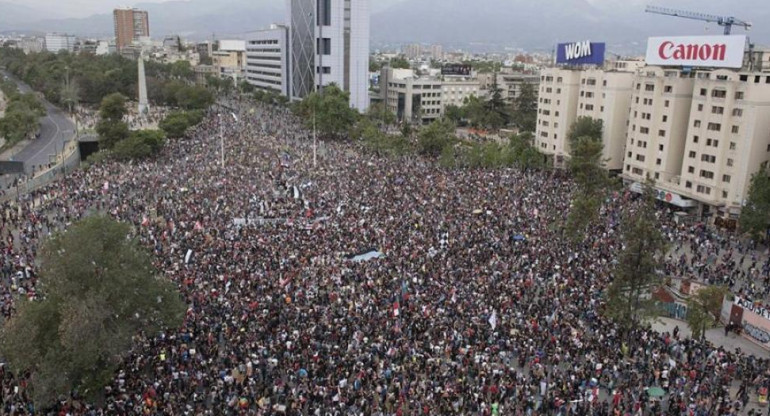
<point>329,43</point>
<point>55,42</point>
<point>267,59</point>
<point>437,52</point>
<point>130,26</point>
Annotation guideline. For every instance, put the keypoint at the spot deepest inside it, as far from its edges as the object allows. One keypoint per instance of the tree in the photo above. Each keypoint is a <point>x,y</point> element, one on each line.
<point>755,216</point>
<point>635,276</point>
<point>194,97</point>
<point>525,108</point>
<point>587,168</point>
<point>381,115</point>
<point>374,66</point>
<point>101,291</point>
<point>330,110</point>
<point>176,124</point>
<point>432,139</point>
<point>182,70</point>
<point>454,113</point>
<point>113,107</point>
<point>496,114</point>
<point>704,309</point>
<point>399,63</point>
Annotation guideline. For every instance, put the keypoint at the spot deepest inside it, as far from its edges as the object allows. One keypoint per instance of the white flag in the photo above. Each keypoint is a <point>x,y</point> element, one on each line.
<point>493,320</point>
<point>187,257</point>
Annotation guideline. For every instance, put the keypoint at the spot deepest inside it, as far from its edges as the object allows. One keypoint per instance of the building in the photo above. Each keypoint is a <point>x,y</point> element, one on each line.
<point>412,51</point>
<point>329,43</point>
<point>32,44</point>
<point>55,42</point>
<point>703,134</point>
<point>202,72</point>
<point>511,83</point>
<point>437,52</point>
<point>130,26</point>
<point>567,93</point>
<point>230,59</point>
<point>172,43</point>
<point>422,99</point>
<point>267,59</point>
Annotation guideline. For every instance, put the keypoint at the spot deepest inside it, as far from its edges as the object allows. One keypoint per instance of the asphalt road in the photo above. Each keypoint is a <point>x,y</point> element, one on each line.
<point>55,129</point>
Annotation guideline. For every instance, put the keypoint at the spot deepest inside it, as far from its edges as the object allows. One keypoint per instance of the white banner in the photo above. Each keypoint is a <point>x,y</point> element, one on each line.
<point>697,51</point>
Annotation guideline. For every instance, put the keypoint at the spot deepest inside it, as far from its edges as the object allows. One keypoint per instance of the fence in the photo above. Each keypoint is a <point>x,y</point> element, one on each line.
<point>67,162</point>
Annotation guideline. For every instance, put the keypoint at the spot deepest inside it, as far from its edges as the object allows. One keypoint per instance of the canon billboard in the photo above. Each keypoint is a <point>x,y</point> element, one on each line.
<point>700,51</point>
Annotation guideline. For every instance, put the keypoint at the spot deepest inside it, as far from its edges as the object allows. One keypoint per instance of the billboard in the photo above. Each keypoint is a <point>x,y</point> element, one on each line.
<point>456,69</point>
<point>697,51</point>
<point>580,53</point>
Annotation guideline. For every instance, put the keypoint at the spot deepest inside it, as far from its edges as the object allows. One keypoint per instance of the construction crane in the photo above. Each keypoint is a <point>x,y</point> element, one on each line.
<point>726,21</point>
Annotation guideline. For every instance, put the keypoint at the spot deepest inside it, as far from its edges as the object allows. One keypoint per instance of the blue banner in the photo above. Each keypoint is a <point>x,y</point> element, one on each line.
<point>580,53</point>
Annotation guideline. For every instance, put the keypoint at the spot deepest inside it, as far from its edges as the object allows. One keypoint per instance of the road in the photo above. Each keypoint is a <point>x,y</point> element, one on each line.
<point>55,129</point>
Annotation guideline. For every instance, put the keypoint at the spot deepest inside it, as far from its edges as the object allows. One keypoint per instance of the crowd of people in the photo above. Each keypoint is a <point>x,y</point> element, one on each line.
<point>88,117</point>
<point>477,306</point>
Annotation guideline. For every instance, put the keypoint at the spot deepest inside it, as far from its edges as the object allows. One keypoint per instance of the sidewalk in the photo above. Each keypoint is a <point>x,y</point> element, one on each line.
<point>716,336</point>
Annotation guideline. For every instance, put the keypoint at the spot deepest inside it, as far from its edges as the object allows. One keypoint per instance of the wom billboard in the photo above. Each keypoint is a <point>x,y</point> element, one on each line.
<point>580,53</point>
<point>697,51</point>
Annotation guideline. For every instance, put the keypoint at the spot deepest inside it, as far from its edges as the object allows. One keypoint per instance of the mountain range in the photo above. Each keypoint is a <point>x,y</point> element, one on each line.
<point>477,24</point>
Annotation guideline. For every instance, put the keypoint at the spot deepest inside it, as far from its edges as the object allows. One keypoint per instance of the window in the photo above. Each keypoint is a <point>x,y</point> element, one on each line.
<point>640,158</point>
<point>692,154</point>
<point>665,119</point>
<point>324,46</point>
<point>644,130</point>
<point>691,169</point>
<point>665,103</point>
<point>668,88</point>
<point>729,162</point>
<point>706,174</point>
<point>719,93</point>
<point>658,162</point>
<point>688,185</point>
<point>703,92</point>
<point>732,146</point>
<point>637,171</point>
<point>717,110</point>
<point>708,158</point>
<point>714,127</point>
<point>700,107</point>
<point>324,15</point>
<point>696,123</point>
<point>735,129</point>
<point>703,190</point>
<point>649,87</point>
<point>695,139</point>
<point>726,178</point>
<point>660,147</point>
<point>739,95</point>
<point>661,133</point>
<point>737,112</point>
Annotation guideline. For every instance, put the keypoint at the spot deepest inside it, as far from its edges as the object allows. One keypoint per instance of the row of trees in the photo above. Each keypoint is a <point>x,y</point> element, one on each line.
<point>22,114</point>
<point>67,78</point>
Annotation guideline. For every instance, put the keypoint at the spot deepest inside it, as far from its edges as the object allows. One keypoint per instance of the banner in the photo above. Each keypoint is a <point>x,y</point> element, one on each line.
<point>697,51</point>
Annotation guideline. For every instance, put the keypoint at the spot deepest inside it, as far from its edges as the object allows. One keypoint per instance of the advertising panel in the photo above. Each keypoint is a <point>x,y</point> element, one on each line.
<point>456,69</point>
<point>754,319</point>
<point>697,51</point>
<point>580,53</point>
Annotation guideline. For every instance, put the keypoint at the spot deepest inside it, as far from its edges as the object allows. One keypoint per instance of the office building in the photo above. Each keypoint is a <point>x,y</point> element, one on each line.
<point>55,42</point>
<point>329,43</point>
<point>230,59</point>
<point>511,83</point>
<point>267,59</point>
<point>130,26</point>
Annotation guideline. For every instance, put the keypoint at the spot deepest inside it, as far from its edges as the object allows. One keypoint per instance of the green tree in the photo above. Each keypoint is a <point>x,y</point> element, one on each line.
<point>176,123</point>
<point>381,115</point>
<point>635,276</point>
<point>454,113</point>
<point>182,70</point>
<point>755,216</point>
<point>101,291</point>
<point>496,113</point>
<point>331,111</point>
<point>399,63</point>
<point>587,168</point>
<point>433,138</point>
<point>525,108</point>
<point>374,66</point>
<point>193,97</point>
<point>704,309</point>
<point>113,107</point>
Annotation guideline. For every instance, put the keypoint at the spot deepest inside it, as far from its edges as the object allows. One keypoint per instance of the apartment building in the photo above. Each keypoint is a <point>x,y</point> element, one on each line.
<point>556,111</point>
<point>267,59</point>
<point>130,25</point>
<point>455,90</point>
<point>55,42</point>
<point>511,83</point>
<point>719,137</point>
<point>565,94</point>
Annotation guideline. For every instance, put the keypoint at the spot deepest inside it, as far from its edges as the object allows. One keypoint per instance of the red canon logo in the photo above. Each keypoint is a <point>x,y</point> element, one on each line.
<point>670,51</point>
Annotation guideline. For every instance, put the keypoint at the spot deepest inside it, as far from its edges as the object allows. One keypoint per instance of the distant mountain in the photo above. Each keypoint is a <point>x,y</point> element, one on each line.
<point>476,24</point>
<point>196,19</point>
<point>16,14</point>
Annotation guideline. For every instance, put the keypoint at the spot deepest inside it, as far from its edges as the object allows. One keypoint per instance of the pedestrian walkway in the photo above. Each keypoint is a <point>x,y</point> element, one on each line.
<point>716,336</point>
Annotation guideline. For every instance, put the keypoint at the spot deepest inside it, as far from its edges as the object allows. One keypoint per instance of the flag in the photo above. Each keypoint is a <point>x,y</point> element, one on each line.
<point>145,221</point>
<point>395,309</point>
<point>493,320</point>
<point>106,186</point>
<point>188,256</point>
<point>198,226</point>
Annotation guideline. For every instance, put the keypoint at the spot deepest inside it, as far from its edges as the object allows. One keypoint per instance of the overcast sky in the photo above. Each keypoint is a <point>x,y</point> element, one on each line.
<point>80,8</point>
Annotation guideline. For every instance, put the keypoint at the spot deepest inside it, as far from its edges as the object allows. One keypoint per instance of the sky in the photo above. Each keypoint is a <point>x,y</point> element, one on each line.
<point>79,8</point>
